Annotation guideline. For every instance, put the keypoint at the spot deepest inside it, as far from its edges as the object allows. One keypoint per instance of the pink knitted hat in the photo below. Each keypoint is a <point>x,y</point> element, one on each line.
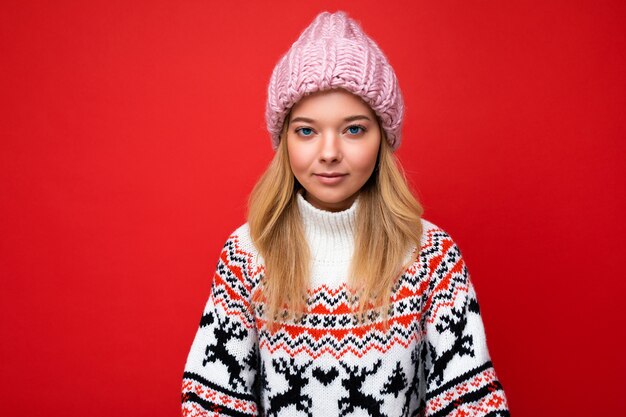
<point>334,52</point>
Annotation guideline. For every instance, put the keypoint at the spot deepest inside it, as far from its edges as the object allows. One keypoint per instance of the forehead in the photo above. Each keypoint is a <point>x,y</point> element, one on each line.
<point>338,102</point>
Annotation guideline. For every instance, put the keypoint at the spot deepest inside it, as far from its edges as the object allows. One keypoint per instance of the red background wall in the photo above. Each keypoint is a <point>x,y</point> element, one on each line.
<point>132,133</point>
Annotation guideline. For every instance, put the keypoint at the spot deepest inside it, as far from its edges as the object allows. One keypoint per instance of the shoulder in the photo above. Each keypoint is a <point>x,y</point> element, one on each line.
<point>241,238</point>
<point>439,254</point>
<point>239,252</point>
<point>435,237</point>
<point>429,227</point>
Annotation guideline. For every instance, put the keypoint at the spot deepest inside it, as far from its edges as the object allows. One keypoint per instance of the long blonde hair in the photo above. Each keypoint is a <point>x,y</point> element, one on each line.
<point>388,226</point>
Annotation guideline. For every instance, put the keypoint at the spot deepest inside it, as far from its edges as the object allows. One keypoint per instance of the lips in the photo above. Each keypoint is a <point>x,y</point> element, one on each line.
<point>330,178</point>
<point>330,174</point>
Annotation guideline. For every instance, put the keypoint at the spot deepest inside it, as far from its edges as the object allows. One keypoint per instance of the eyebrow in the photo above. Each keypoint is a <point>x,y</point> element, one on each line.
<point>347,119</point>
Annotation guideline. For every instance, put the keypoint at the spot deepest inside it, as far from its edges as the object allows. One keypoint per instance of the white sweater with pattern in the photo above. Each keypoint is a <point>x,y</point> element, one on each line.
<point>431,361</point>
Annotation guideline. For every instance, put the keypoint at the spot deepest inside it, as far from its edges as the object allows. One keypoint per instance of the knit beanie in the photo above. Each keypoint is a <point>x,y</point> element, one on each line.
<point>334,52</point>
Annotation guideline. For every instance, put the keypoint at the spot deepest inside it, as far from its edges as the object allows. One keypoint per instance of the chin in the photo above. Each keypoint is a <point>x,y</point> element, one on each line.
<point>331,197</point>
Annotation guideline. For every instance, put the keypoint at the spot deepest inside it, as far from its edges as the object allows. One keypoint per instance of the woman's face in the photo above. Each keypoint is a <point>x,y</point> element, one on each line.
<point>332,141</point>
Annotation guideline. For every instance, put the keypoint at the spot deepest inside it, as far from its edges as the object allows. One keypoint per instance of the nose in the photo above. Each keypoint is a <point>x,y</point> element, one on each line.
<point>330,148</point>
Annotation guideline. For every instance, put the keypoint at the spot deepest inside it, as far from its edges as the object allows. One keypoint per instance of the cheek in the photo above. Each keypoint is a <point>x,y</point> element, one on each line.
<point>364,159</point>
<point>298,159</point>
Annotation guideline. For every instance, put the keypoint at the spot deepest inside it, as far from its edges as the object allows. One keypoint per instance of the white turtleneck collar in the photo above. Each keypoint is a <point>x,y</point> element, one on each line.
<point>330,234</point>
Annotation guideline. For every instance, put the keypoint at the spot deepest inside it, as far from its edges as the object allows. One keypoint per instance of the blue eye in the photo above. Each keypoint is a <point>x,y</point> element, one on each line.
<point>306,131</point>
<point>355,129</point>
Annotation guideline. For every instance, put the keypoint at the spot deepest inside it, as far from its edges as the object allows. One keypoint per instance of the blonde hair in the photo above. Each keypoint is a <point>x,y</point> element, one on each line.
<point>387,226</point>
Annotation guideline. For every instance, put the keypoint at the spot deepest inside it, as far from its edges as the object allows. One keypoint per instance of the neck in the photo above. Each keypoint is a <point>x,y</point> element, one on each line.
<point>330,234</point>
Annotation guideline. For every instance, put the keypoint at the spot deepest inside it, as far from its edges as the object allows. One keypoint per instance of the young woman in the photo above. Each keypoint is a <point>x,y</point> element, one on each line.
<point>336,298</point>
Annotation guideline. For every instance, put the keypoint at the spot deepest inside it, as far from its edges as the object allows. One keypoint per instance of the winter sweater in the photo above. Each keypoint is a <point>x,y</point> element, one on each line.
<point>432,360</point>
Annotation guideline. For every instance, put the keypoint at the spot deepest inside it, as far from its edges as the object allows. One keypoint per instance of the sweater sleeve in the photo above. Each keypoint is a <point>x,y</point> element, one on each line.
<point>460,377</point>
<point>219,375</point>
